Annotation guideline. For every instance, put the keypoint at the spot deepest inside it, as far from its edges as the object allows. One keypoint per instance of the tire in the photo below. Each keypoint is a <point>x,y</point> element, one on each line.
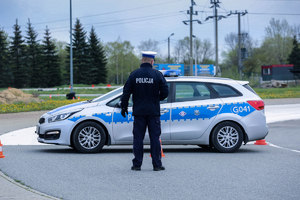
<point>227,137</point>
<point>89,137</point>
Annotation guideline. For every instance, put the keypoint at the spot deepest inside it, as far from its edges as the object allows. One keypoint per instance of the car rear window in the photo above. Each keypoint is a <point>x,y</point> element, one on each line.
<point>225,90</point>
<point>249,88</point>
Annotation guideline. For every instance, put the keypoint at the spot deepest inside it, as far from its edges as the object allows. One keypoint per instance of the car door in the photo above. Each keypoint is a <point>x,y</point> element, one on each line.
<point>122,127</point>
<point>194,108</point>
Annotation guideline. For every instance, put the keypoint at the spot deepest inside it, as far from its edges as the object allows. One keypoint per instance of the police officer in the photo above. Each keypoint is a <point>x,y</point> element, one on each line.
<point>148,87</point>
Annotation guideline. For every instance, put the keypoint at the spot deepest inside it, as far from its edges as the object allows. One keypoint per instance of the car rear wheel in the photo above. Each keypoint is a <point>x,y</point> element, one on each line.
<point>227,137</point>
<point>89,137</point>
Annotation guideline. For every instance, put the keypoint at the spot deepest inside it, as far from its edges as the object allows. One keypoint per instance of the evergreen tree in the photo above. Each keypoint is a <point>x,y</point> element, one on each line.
<point>294,58</point>
<point>17,53</point>
<point>33,57</point>
<point>50,61</point>
<point>98,61</point>
<point>80,55</point>
<point>5,73</point>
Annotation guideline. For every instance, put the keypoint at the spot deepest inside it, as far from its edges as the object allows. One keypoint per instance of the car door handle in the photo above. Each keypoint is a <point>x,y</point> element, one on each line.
<point>164,111</point>
<point>108,114</point>
<point>213,107</point>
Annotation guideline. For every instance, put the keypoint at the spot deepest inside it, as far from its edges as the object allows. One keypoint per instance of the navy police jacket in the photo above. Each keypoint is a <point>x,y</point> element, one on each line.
<point>148,87</point>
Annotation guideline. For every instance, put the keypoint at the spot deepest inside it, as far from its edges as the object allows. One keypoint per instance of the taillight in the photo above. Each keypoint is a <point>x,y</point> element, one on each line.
<point>258,105</point>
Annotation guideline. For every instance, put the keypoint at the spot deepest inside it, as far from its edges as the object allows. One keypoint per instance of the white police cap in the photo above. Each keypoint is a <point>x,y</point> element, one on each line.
<point>149,54</point>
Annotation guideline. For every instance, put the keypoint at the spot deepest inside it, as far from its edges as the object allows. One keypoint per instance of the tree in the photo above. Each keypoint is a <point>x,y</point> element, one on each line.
<point>61,50</point>
<point>121,61</point>
<point>80,55</point>
<point>50,61</point>
<point>202,50</point>
<point>230,63</point>
<point>294,57</point>
<point>278,41</point>
<point>181,51</point>
<point>33,58</point>
<point>98,61</point>
<point>17,53</point>
<point>5,72</point>
<point>149,45</point>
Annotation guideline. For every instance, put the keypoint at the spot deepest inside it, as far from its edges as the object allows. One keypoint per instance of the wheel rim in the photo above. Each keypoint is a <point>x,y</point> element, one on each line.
<point>228,137</point>
<point>89,137</point>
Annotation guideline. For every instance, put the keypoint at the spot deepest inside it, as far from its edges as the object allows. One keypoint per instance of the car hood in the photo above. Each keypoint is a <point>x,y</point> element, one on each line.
<point>71,107</point>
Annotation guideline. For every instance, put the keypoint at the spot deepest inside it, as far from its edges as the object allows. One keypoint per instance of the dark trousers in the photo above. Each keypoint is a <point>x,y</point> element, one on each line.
<point>139,129</point>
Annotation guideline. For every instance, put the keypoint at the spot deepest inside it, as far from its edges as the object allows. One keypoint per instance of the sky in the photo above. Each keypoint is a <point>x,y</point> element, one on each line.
<point>140,20</point>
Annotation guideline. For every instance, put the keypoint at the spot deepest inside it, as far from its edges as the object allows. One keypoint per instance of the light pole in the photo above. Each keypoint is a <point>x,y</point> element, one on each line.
<point>71,49</point>
<point>169,47</point>
<point>195,53</point>
<point>239,14</point>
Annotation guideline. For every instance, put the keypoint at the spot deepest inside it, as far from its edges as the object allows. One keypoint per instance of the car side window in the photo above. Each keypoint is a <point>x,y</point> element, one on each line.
<point>225,90</point>
<point>114,102</point>
<point>191,92</point>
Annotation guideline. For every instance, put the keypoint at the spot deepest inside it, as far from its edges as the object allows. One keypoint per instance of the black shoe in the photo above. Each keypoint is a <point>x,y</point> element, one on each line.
<point>159,168</point>
<point>134,168</point>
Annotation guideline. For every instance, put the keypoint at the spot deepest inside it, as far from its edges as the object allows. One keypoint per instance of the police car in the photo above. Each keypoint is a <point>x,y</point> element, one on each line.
<point>213,113</point>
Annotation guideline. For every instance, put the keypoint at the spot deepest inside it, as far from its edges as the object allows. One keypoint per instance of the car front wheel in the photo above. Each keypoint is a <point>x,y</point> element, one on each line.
<point>88,137</point>
<point>227,137</point>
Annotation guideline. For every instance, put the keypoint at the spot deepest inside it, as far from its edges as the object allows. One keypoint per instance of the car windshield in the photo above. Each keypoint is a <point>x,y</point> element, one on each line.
<point>108,95</point>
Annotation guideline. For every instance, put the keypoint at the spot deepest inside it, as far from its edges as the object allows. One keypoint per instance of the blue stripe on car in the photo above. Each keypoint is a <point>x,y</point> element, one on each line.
<point>74,119</point>
<point>181,113</point>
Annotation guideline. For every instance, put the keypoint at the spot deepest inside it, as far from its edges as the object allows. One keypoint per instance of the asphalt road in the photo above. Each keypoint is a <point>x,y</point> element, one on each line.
<point>14,121</point>
<point>255,172</point>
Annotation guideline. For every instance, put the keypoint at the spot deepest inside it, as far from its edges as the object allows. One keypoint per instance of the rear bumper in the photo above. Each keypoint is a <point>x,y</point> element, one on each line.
<point>256,127</point>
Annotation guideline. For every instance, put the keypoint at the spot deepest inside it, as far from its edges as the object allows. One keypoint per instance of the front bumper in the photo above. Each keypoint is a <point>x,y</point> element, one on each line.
<point>55,132</point>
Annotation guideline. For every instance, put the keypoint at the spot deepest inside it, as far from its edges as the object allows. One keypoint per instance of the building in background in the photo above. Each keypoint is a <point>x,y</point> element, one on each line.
<point>277,72</point>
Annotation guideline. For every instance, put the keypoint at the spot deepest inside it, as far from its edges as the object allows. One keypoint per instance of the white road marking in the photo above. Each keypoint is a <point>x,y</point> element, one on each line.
<point>26,136</point>
<point>279,147</point>
<point>276,146</point>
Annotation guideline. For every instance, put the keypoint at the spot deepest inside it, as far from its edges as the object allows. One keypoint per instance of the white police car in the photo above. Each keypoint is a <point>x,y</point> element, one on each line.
<point>209,112</point>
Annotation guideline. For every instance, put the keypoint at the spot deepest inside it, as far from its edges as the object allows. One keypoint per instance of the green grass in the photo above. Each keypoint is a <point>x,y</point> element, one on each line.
<point>77,91</point>
<point>35,106</point>
<point>64,98</point>
<point>277,93</point>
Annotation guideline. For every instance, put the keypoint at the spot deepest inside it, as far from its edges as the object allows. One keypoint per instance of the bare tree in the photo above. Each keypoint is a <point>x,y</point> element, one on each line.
<point>231,41</point>
<point>149,45</point>
<point>279,36</point>
<point>203,50</point>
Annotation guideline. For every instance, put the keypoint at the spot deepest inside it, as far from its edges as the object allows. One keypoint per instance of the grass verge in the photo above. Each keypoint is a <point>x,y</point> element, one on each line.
<point>54,102</point>
<point>278,93</point>
<point>77,91</point>
<point>25,107</point>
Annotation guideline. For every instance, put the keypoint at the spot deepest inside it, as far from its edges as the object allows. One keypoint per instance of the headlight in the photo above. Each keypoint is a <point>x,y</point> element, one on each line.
<point>62,116</point>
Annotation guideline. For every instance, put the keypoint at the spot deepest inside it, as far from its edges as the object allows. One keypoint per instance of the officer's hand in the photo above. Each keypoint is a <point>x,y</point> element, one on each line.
<point>124,110</point>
